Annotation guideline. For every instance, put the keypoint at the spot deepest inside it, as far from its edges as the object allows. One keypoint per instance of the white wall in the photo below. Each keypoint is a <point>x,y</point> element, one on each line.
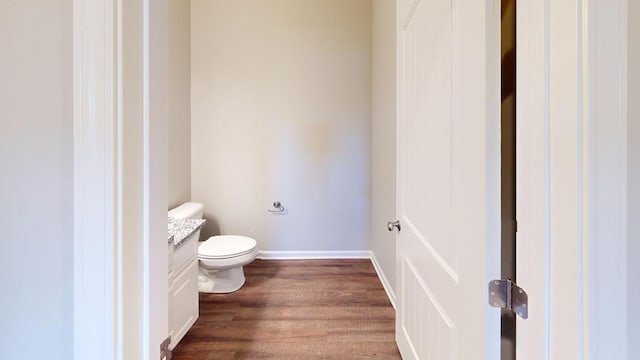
<point>281,108</point>
<point>36,187</point>
<point>383,136</point>
<point>179,102</point>
<point>633,182</point>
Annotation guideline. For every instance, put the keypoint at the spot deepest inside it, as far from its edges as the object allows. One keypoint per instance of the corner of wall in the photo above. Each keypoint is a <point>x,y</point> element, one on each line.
<point>388,288</point>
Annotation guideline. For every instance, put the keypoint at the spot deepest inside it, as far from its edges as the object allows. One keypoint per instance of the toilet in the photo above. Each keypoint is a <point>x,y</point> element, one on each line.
<point>221,260</point>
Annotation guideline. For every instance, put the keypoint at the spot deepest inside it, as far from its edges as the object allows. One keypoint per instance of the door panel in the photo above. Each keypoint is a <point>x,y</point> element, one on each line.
<point>448,96</point>
<point>425,318</point>
<point>428,90</point>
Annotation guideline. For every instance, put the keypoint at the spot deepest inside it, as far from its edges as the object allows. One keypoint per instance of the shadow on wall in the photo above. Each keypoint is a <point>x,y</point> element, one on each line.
<point>211,227</point>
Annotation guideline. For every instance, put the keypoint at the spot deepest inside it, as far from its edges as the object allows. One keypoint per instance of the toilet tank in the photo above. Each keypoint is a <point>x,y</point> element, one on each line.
<point>190,210</point>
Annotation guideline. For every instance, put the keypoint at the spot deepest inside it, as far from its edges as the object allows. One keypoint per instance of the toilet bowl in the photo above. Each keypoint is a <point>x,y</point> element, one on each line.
<point>221,260</point>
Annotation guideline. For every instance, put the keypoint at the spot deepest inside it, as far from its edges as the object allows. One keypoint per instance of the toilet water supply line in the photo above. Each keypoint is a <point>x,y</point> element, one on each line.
<point>280,210</point>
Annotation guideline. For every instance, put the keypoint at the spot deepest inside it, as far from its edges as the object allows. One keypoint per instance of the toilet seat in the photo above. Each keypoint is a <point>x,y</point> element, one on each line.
<point>226,247</point>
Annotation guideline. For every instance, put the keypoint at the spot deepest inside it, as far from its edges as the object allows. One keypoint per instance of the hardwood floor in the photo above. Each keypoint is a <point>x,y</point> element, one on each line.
<point>296,309</point>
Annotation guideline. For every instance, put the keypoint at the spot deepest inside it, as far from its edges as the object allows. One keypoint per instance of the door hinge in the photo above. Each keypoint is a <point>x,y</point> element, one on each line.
<point>165,353</point>
<point>506,294</point>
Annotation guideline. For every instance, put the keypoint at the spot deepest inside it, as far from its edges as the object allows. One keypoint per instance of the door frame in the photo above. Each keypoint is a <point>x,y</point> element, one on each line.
<point>101,242</point>
<point>572,175</point>
<point>97,244</point>
<point>120,182</point>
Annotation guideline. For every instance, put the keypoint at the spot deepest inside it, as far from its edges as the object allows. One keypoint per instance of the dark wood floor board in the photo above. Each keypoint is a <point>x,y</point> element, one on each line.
<point>282,350</point>
<point>297,268</point>
<point>296,309</point>
<point>346,325</point>
<point>321,283</point>
<point>332,312</point>
<point>233,334</point>
<point>361,336</point>
<point>355,297</point>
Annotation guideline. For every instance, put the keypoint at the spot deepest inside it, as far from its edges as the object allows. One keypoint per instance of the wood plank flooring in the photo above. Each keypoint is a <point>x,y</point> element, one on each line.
<point>296,309</point>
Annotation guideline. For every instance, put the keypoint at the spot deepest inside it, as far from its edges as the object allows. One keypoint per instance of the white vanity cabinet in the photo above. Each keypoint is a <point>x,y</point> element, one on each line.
<point>183,288</point>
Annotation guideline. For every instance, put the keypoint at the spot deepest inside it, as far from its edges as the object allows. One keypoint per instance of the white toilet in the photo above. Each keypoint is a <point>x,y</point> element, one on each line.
<point>221,260</point>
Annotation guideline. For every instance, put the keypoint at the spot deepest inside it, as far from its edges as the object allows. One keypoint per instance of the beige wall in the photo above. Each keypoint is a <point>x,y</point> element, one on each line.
<point>36,181</point>
<point>281,108</point>
<point>633,143</point>
<point>179,102</point>
<point>383,136</point>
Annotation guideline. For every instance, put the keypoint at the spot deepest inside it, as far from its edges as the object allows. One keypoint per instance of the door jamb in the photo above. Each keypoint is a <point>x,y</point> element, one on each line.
<point>606,310</point>
<point>116,234</point>
<point>600,160</point>
<point>97,285</point>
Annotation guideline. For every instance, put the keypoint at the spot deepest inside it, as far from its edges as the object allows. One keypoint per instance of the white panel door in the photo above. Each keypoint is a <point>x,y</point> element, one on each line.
<point>448,178</point>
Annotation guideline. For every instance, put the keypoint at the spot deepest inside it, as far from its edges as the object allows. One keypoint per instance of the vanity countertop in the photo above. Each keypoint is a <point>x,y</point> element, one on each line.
<point>180,229</point>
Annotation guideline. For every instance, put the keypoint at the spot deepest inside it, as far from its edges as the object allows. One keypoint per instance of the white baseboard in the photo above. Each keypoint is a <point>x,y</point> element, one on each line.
<point>357,254</point>
<point>385,283</point>
<point>300,255</point>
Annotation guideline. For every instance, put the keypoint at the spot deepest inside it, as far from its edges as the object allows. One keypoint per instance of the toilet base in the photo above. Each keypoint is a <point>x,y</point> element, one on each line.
<point>220,281</point>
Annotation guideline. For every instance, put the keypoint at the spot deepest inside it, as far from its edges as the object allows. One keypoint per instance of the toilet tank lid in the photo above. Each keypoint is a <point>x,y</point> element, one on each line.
<point>190,210</point>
